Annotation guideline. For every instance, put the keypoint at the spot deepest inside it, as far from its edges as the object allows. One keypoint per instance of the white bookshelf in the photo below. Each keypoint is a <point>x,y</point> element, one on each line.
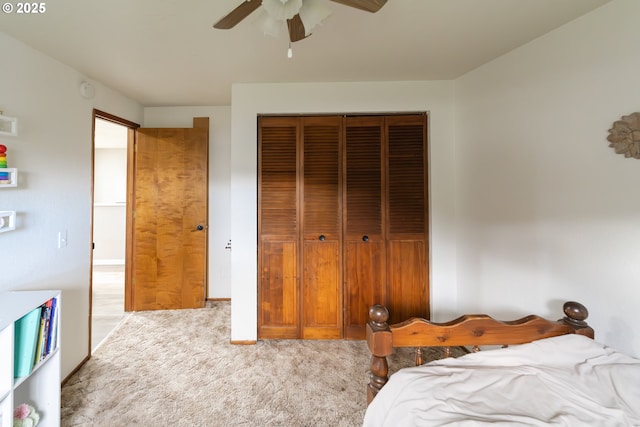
<point>41,388</point>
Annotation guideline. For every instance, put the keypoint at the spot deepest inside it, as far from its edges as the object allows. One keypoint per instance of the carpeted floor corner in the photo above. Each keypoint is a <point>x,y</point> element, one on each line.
<point>176,368</point>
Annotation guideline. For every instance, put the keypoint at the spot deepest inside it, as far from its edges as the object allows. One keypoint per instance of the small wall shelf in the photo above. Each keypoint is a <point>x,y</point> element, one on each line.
<point>13,177</point>
<point>8,126</point>
<point>7,221</point>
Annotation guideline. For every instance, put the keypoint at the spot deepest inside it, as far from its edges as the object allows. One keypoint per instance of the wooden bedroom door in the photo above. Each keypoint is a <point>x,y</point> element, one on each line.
<point>169,232</point>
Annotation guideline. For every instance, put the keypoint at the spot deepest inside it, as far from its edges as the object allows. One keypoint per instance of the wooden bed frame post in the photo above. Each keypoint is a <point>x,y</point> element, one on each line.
<point>380,343</point>
<point>575,316</point>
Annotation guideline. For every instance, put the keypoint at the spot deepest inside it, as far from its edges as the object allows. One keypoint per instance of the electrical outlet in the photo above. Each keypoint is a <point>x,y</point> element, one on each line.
<point>62,239</point>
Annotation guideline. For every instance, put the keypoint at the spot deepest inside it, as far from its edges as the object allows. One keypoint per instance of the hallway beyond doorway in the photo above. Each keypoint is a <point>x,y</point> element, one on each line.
<point>108,301</point>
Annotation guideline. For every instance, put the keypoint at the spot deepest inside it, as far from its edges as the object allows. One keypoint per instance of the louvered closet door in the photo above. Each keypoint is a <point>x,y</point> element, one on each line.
<point>321,225</point>
<point>278,315</point>
<point>407,232</point>
<point>342,223</point>
<point>364,240</point>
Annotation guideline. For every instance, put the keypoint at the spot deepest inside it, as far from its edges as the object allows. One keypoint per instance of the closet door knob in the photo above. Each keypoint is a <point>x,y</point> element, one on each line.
<point>321,237</point>
<point>365,238</point>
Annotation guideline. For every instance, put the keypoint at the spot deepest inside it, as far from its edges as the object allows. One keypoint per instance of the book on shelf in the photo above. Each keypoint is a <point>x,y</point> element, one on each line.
<point>47,330</point>
<point>38,351</point>
<point>26,340</point>
<point>52,333</point>
<point>35,337</point>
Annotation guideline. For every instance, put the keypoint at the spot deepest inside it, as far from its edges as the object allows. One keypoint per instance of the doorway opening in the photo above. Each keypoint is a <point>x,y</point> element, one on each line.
<point>109,228</point>
<point>111,140</point>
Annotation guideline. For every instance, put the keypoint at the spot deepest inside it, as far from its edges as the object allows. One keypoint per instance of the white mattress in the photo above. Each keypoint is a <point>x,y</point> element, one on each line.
<point>568,380</point>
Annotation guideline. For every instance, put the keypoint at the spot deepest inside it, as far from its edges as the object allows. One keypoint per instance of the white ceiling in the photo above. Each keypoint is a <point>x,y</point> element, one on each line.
<point>165,52</point>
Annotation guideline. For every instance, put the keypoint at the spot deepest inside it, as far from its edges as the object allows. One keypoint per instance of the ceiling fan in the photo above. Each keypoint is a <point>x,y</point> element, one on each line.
<point>300,15</point>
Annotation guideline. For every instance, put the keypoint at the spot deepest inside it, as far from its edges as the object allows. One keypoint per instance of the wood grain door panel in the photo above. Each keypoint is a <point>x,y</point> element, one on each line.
<point>278,296</point>
<point>321,302</point>
<point>170,201</point>
<point>407,274</point>
<point>365,284</point>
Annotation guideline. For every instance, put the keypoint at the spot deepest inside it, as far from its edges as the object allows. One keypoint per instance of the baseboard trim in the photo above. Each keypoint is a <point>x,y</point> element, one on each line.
<point>218,299</point>
<point>244,342</point>
<point>77,368</point>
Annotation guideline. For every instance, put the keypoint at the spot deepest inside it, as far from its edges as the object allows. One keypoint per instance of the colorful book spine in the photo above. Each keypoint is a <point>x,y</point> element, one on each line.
<point>26,340</point>
<point>38,352</point>
<point>53,326</point>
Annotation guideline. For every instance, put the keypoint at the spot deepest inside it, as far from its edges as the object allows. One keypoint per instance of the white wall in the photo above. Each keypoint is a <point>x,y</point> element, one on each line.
<point>548,212</point>
<point>219,258</point>
<point>53,155</point>
<point>110,209</point>
<point>110,175</point>
<point>249,100</point>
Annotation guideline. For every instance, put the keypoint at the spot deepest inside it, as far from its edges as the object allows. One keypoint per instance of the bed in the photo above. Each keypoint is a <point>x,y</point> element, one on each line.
<point>531,371</point>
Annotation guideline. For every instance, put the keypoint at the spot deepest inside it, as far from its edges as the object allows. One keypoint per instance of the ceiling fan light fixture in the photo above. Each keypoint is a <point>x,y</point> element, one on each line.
<point>271,27</point>
<point>281,10</point>
<point>290,52</point>
<point>312,13</point>
<point>300,16</point>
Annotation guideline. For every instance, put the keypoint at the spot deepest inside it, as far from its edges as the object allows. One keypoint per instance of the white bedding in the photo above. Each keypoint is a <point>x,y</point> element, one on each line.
<point>568,380</point>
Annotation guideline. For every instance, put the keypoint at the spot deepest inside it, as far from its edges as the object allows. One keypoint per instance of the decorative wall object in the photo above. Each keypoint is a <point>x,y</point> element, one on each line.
<point>624,136</point>
<point>4,176</point>
<point>7,221</point>
<point>8,176</point>
<point>8,125</point>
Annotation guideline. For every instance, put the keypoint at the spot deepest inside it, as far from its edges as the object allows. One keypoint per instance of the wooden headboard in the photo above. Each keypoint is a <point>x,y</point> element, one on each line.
<point>471,330</point>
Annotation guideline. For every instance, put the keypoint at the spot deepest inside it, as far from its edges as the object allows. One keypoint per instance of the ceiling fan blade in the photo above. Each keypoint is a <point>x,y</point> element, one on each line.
<point>367,5</point>
<point>296,28</point>
<point>237,14</point>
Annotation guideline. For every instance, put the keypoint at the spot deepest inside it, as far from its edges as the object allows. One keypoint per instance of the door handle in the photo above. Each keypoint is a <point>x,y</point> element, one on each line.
<point>200,227</point>
<point>321,237</point>
<point>365,238</point>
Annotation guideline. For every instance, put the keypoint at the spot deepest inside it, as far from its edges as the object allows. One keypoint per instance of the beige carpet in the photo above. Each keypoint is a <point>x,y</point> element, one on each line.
<point>177,368</point>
